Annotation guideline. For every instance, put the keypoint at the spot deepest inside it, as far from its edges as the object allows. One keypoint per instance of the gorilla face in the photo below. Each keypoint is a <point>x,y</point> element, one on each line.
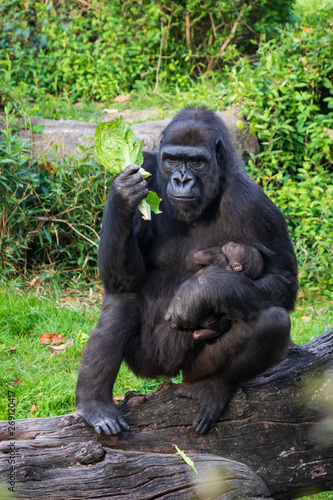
<point>191,175</point>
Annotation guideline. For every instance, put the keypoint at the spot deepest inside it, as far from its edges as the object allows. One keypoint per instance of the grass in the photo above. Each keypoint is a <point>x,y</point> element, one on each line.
<point>63,107</point>
<point>47,378</point>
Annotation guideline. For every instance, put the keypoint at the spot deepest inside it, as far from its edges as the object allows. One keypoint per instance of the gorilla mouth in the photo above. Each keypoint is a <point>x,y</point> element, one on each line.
<point>182,198</point>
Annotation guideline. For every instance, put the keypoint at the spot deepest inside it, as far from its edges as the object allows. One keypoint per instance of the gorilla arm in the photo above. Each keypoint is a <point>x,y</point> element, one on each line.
<point>214,292</point>
<point>120,262</point>
<point>122,269</point>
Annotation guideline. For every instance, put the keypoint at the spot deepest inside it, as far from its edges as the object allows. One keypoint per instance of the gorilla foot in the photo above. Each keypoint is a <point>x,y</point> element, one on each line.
<point>212,396</point>
<point>103,417</point>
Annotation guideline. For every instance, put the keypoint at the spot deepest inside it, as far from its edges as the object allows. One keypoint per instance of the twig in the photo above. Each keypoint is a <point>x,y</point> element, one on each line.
<point>213,62</point>
<point>164,38</point>
<point>72,227</point>
<point>188,29</point>
<point>88,6</point>
<point>213,25</point>
<point>233,31</point>
<point>159,57</point>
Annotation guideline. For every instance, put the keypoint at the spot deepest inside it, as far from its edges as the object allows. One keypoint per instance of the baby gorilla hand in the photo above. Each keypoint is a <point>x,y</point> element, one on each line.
<point>128,189</point>
<point>211,328</point>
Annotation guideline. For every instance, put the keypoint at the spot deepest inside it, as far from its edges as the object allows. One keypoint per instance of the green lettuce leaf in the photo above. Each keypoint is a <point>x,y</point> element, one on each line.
<point>115,148</point>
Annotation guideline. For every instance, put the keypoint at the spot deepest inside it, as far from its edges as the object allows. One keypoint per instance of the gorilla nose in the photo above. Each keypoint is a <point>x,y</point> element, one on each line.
<point>182,182</point>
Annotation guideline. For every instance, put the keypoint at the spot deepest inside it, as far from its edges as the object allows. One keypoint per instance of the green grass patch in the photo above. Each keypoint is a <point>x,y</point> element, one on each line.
<point>47,378</point>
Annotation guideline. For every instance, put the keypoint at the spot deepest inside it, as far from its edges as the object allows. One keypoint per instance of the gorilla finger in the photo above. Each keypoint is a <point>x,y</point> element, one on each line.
<point>139,188</point>
<point>180,393</point>
<point>202,422</point>
<point>134,179</point>
<point>114,426</point>
<point>98,429</point>
<point>106,427</point>
<point>129,170</point>
<point>184,391</point>
<point>204,425</point>
<point>138,179</point>
<point>123,424</point>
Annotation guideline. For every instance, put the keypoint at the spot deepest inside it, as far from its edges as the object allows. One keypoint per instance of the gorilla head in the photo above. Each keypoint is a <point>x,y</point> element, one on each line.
<point>192,162</point>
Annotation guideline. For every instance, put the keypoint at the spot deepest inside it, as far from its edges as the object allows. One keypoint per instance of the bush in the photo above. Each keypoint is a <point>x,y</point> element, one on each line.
<point>50,211</point>
<point>285,91</point>
<point>97,49</point>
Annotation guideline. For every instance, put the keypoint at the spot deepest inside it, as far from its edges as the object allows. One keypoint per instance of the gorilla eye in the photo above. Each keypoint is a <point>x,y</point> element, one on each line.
<point>194,163</point>
<point>173,161</point>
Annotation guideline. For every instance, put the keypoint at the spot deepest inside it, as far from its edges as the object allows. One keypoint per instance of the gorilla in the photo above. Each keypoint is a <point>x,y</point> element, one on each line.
<point>155,298</point>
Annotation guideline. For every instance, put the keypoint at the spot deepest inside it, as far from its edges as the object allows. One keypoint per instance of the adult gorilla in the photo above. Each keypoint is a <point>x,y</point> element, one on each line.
<point>154,298</point>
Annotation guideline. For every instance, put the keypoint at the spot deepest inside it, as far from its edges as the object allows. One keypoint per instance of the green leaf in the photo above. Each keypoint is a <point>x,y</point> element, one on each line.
<point>239,124</point>
<point>154,201</point>
<point>327,83</point>
<point>115,148</point>
<point>186,458</point>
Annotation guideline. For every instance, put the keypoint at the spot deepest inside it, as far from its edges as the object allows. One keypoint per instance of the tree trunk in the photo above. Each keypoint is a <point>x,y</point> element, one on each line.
<point>280,425</point>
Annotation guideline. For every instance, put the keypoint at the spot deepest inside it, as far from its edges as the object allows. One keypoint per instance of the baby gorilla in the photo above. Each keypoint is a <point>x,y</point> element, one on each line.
<point>238,257</point>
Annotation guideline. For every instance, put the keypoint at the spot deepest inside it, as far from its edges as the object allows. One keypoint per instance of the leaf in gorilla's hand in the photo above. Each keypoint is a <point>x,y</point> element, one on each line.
<point>150,204</point>
<point>115,148</point>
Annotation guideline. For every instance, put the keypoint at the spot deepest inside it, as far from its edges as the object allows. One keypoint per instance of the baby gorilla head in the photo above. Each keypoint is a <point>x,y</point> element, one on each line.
<point>233,256</point>
<point>244,258</point>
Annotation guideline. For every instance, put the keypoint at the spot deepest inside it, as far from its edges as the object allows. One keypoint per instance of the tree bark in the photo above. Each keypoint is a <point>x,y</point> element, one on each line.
<point>280,425</point>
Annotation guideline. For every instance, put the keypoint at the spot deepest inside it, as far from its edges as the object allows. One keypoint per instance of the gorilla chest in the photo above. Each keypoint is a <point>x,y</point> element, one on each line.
<point>175,255</point>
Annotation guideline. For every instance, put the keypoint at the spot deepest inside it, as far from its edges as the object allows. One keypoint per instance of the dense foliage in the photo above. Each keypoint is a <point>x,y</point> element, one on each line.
<point>96,48</point>
<point>50,211</point>
<point>288,101</point>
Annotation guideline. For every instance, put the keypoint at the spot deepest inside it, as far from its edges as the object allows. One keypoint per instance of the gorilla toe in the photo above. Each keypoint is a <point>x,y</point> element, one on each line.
<point>212,394</point>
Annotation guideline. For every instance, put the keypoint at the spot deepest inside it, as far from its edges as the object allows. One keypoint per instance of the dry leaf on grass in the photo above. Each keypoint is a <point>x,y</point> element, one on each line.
<point>51,338</point>
<point>122,98</point>
<point>306,318</point>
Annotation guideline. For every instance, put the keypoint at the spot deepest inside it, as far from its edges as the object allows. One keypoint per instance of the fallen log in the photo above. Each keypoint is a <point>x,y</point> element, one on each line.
<point>274,439</point>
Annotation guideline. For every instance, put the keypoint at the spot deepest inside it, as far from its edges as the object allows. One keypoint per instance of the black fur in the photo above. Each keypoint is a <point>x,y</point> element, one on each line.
<point>154,298</point>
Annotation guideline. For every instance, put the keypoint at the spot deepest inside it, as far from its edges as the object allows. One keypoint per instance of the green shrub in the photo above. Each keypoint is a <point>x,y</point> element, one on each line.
<point>285,91</point>
<point>50,211</point>
<point>102,48</point>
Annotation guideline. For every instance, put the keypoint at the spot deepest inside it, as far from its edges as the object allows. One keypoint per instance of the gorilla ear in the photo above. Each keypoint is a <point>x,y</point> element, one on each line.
<point>219,150</point>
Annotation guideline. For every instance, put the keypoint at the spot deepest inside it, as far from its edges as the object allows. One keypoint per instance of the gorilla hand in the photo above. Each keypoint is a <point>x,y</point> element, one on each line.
<point>103,417</point>
<point>128,189</point>
<point>194,301</point>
